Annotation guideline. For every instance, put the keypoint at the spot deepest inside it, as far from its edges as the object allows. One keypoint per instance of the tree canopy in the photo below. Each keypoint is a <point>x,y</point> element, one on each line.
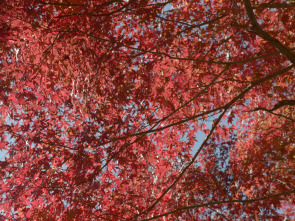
<point>147,110</point>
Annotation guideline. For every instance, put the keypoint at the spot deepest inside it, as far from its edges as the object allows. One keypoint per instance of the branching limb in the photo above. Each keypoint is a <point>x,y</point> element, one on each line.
<point>264,35</point>
<point>277,106</point>
<point>222,202</point>
<point>275,5</point>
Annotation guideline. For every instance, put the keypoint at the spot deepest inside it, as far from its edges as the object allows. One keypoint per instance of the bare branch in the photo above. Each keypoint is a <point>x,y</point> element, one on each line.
<point>202,24</point>
<point>264,35</point>
<point>222,202</point>
<point>275,5</point>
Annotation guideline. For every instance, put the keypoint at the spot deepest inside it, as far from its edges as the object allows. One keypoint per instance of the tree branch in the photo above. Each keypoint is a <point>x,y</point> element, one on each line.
<point>221,202</point>
<point>264,35</point>
<point>275,5</point>
<point>202,24</point>
<point>277,106</point>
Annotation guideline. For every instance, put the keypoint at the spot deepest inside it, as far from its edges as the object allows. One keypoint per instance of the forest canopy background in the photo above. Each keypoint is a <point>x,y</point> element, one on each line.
<point>102,104</point>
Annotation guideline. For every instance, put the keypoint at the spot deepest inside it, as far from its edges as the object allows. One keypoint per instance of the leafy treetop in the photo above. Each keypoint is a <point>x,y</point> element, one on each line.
<point>103,104</point>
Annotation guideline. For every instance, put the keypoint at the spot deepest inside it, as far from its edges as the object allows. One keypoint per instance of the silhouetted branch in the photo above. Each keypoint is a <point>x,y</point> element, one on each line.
<point>221,202</point>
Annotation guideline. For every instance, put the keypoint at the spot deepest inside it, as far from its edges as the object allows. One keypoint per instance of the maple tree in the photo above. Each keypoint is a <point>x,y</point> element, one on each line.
<point>104,105</point>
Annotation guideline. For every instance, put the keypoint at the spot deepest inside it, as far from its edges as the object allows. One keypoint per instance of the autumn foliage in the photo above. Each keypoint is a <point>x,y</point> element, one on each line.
<point>147,110</point>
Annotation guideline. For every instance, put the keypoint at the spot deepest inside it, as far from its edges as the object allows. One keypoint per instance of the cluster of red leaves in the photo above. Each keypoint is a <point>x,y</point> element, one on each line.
<point>104,105</point>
